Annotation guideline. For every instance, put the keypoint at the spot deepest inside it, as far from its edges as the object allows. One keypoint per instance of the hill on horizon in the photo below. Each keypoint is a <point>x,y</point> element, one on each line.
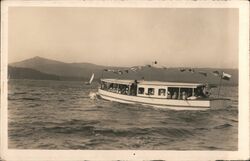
<point>80,71</point>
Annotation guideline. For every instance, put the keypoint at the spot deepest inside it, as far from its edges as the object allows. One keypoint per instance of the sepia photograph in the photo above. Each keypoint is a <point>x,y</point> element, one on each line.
<point>132,78</point>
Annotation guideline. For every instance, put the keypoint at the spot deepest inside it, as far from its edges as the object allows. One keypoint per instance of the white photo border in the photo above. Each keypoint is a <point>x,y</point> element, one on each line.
<point>243,127</point>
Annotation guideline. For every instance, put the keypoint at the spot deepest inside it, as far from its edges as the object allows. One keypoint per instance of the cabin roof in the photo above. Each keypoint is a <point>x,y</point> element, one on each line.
<point>170,84</point>
<point>119,81</point>
<point>153,83</point>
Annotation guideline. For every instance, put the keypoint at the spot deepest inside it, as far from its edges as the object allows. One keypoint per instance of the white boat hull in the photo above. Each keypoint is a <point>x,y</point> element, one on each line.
<point>156,102</point>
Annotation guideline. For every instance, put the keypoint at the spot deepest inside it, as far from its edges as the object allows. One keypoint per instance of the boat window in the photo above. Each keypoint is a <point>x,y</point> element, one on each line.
<point>173,92</point>
<point>151,91</point>
<point>198,92</point>
<point>104,85</point>
<point>123,89</point>
<point>185,93</point>
<point>113,87</point>
<point>140,90</point>
<point>110,86</point>
<point>162,92</point>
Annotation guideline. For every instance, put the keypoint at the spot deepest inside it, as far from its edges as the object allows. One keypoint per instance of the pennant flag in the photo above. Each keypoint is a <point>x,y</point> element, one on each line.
<point>164,67</point>
<point>203,73</point>
<point>216,73</point>
<point>134,69</point>
<point>155,62</point>
<point>191,70</point>
<point>120,72</point>
<point>109,70</point>
<point>182,70</point>
<point>226,76</point>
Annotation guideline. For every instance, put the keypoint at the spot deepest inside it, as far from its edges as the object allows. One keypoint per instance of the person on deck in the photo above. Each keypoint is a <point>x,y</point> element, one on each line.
<point>174,95</point>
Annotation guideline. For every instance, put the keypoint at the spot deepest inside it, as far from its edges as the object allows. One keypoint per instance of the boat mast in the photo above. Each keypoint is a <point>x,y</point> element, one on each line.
<point>219,86</point>
<point>129,88</point>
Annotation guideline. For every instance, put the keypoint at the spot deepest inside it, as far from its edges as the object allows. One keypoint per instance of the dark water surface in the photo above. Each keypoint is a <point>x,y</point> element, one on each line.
<point>60,115</point>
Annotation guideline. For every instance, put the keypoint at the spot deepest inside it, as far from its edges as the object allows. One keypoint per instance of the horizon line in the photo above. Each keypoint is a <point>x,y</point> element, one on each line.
<point>9,63</point>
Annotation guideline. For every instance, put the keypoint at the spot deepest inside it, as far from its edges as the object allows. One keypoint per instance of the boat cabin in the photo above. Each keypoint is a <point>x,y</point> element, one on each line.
<point>154,89</point>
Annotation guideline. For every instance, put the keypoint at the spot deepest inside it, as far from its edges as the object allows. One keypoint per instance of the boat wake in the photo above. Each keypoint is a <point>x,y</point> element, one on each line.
<point>93,95</point>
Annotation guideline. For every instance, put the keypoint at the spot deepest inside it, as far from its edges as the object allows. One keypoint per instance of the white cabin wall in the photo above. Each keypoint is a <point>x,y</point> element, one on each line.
<point>156,88</point>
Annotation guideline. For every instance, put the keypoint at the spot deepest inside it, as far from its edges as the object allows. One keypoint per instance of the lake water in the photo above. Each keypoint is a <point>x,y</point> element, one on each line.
<point>60,115</point>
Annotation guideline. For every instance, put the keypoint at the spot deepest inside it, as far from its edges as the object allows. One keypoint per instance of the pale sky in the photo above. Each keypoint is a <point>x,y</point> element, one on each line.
<point>126,36</point>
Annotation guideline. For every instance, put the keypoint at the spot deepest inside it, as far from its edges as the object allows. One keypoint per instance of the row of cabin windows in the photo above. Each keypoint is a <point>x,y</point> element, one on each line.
<point>172,93</point>
<point>151,91</point>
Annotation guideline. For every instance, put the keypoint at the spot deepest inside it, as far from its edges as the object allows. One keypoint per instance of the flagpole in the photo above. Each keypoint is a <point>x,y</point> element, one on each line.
<point>219,87</point>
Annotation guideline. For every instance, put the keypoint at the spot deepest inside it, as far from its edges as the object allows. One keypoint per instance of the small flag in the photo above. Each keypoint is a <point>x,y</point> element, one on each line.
<point>134,69</point>
<point>191,70</point>
<point>226,76</point>
<point>216,73</point>
<point>203,73</point>
<point>164,67</point>
<point>120,72</point>
<point>182,70</point>
<point>109,70</point>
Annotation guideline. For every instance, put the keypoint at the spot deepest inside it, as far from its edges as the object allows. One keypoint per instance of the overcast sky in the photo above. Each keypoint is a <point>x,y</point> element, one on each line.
<point>126,37</point>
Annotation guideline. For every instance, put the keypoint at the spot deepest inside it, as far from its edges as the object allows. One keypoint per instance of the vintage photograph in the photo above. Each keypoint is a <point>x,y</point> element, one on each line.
<point>123,78</point>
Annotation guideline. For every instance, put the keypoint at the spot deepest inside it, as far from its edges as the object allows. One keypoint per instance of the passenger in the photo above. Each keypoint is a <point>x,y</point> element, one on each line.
<point>123,91</point>
<point>184,95</point>
<point>162,93</point>
<point>126,91</point>
<point>150,92</point>
<point>142,91</point>
<point>174,95</point>
<point>169,95</point>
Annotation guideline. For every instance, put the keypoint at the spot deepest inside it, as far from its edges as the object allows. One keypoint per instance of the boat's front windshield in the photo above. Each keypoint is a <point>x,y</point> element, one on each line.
<point>115,87</point>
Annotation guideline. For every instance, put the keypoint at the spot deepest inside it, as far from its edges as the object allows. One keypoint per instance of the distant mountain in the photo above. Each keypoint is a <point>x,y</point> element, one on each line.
<point>54,67</point>
<point>80,71</point>
<point>62,69</point>
<point>27,73</point>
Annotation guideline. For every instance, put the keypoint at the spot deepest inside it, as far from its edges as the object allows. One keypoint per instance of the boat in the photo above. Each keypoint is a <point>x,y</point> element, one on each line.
<point>91,79</point>
<point>171,95</point>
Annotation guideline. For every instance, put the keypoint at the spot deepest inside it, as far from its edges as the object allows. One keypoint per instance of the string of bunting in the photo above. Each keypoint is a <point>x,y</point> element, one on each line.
<point>155,64</point>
